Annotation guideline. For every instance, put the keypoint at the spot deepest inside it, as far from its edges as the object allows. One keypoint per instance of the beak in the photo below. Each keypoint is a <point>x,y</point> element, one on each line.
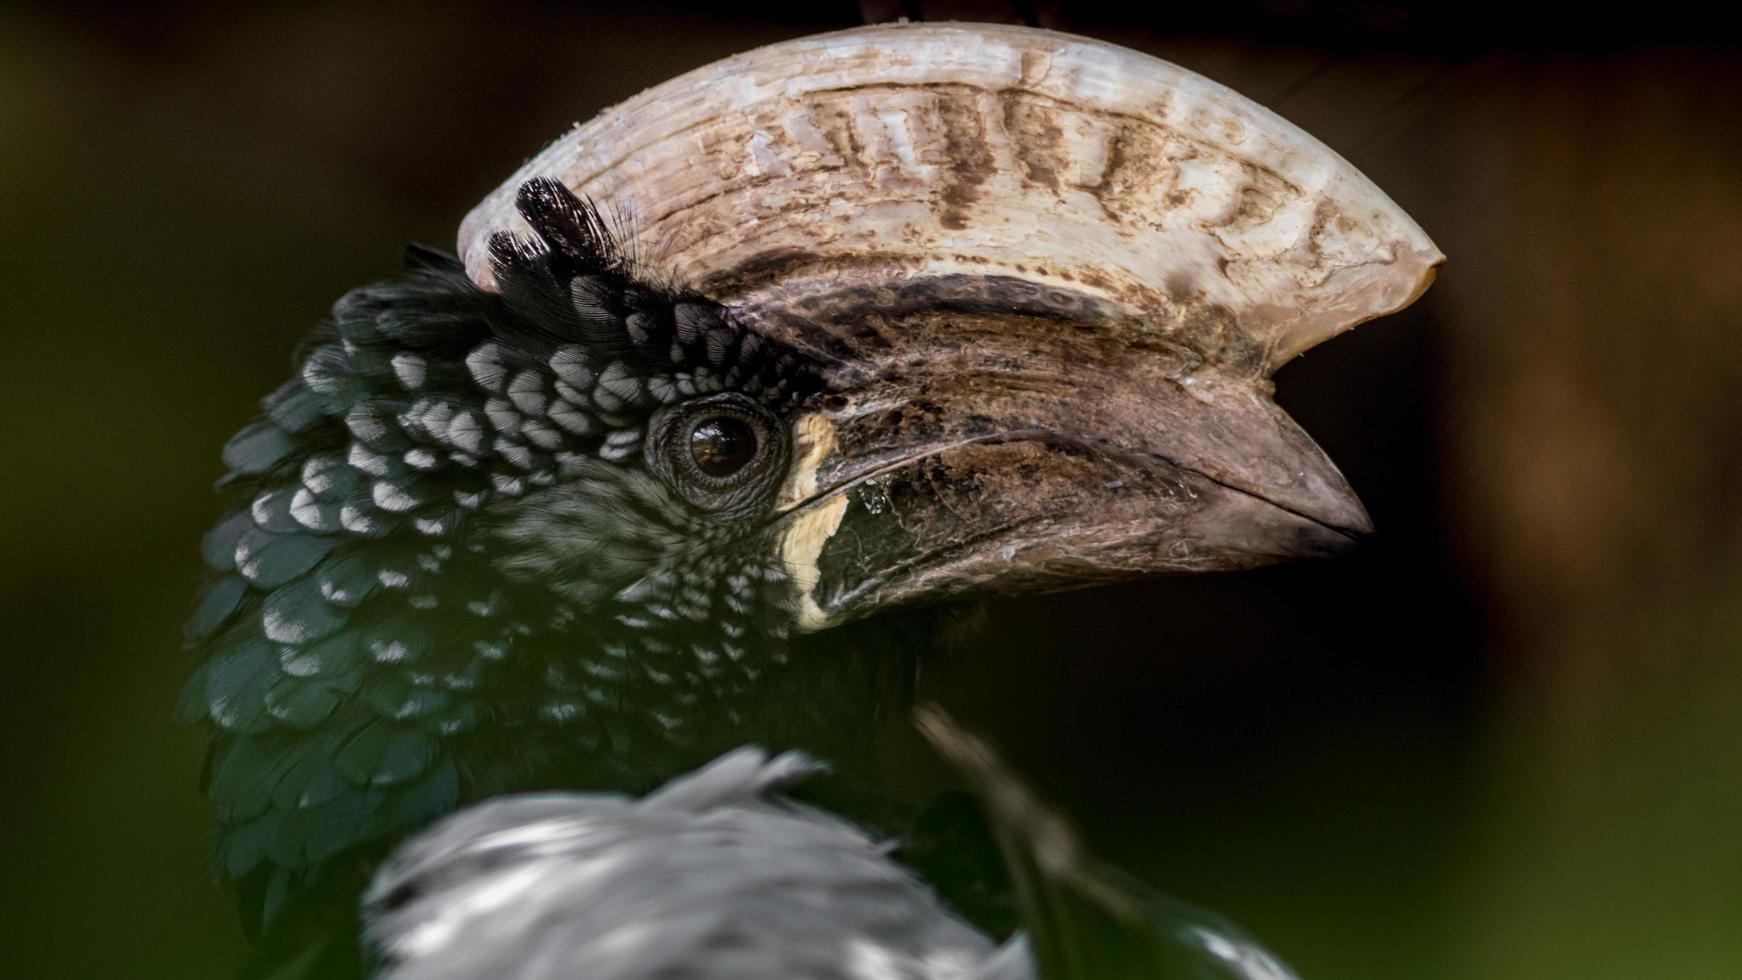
<point>1008,461</point>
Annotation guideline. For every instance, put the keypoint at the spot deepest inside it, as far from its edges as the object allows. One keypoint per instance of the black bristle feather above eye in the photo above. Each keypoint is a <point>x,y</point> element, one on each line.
<point>512,253</point>
<point>573,227</point>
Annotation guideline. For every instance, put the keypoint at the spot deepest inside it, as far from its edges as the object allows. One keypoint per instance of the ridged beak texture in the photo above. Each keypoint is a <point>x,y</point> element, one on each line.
<point>1053,277</point>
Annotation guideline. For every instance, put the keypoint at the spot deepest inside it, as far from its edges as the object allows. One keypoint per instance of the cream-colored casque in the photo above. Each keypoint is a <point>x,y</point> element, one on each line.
<point>884,153</point>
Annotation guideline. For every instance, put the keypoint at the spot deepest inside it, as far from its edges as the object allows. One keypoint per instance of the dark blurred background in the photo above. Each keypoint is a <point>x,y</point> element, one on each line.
<point>1503,740</point>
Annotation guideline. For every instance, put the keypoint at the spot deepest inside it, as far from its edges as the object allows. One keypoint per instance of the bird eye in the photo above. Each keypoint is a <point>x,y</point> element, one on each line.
<point>724,453</point>
<point>722,445</point>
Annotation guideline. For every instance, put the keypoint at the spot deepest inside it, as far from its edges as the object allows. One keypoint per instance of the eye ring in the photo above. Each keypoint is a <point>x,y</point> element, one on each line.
<point>722,453</point>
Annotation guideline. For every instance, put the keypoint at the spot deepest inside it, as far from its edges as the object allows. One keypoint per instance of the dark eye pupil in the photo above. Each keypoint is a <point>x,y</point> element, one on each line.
<point>722,445</point>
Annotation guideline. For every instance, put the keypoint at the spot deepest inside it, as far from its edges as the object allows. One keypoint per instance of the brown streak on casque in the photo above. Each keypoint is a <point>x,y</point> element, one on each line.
<point>1041,99</point>
<point>1036,138</point>
<point>1137,164</point>
<point>969,163</point>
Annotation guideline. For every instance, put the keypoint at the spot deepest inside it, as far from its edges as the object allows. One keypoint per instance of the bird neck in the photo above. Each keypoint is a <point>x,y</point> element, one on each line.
<point>572,724</point>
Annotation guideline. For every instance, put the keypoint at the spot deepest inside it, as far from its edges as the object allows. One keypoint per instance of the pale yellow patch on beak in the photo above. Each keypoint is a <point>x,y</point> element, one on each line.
<point>804,541</point>
<point>813,439</point>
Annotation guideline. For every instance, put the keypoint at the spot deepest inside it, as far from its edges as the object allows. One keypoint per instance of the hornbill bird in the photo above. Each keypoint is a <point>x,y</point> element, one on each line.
<point>725,394</point>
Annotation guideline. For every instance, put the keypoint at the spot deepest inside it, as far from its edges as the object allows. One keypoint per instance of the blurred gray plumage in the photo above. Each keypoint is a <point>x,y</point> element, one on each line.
<point>714,878</point>
<point>707,877</point>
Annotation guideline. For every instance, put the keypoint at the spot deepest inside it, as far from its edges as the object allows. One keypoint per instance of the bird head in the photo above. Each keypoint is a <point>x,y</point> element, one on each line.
<point>863,322</point>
